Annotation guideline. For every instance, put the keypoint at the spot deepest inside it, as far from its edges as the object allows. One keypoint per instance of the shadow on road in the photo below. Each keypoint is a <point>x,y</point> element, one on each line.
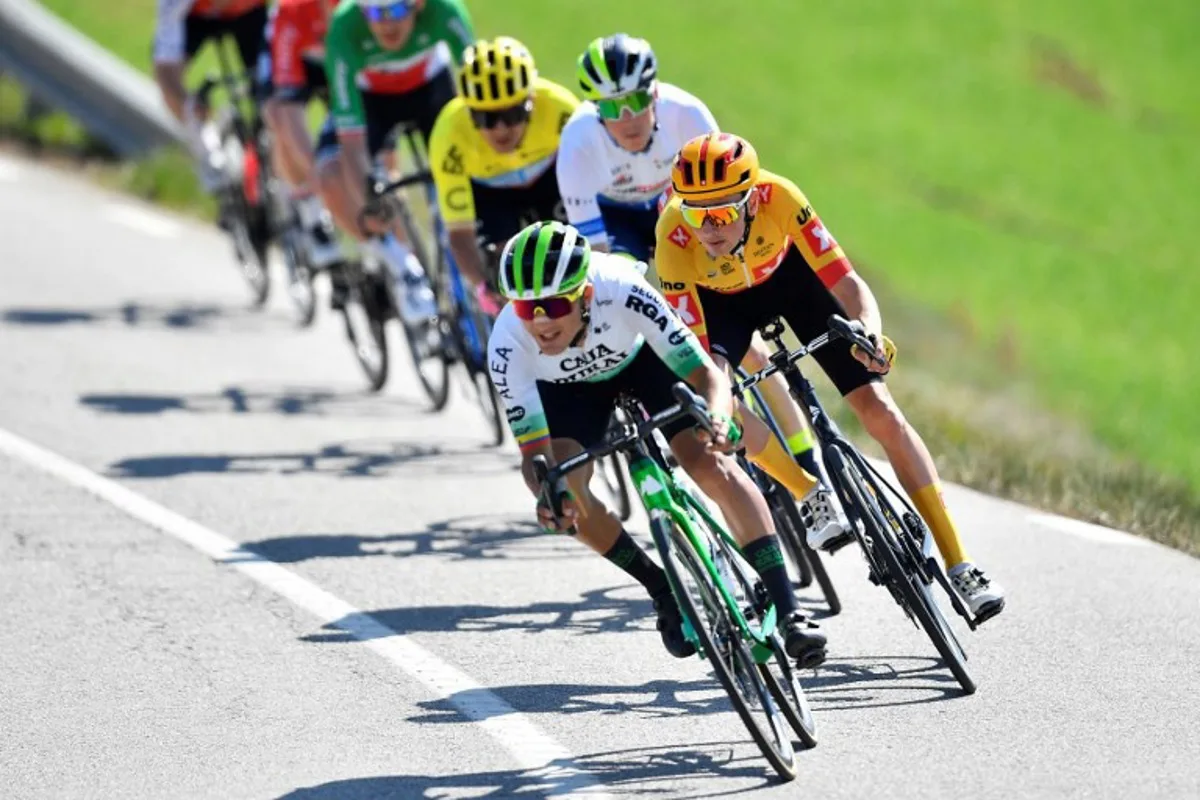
<point>600,611</point>
<point>371,458</point>
<point>137,314</point>
<point>458,539</point>
<point>653,699</point>
<point>878,682</point>
<point>286,401</point>
<point>636,772</point>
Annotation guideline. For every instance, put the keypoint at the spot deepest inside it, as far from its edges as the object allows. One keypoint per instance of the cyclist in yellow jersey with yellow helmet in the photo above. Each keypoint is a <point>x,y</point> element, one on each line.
<point>493,150</point>
<point>738,246</point>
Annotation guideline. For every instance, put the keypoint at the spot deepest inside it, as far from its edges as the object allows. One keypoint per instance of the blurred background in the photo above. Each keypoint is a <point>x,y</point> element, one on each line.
<point>1018,180</point>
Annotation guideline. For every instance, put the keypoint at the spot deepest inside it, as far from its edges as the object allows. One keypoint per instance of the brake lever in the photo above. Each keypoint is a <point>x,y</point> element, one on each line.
<point>549,495</point>
<point>854,332</point>
<point>695,405</point>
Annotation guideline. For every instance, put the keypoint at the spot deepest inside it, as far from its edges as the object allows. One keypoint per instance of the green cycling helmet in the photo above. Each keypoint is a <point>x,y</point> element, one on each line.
<point>544,260</point>
<point>616,65</point>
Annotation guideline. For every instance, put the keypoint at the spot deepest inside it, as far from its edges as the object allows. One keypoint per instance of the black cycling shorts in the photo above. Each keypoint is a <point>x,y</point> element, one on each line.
<point>420,107</point>
<point>795,293</point>
<point>502,212</point>
<point>246,30</point>
<point>581,411</point>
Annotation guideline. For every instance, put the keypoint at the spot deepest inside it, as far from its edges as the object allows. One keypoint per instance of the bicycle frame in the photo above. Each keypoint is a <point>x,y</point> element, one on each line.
<point>659,491</point>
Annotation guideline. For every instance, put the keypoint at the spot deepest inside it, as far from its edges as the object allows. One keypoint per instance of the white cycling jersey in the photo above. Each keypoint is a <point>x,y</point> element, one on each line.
<point>592,168</point>
<point>626,313</point>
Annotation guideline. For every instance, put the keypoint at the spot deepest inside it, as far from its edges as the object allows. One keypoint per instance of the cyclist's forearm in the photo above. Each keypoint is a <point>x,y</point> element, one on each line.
<point>859,301</point>
<point>711,384</point>
<point>170,81</point>
<point>465,249</point>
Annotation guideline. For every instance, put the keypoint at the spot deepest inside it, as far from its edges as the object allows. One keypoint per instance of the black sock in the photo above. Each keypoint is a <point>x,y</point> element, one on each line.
<point>626,554</point>
<point>808,462</point>
<point>767,559</point>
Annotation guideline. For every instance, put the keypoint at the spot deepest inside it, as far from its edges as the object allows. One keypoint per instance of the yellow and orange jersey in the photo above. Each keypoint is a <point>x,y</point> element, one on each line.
<point>784,220</point>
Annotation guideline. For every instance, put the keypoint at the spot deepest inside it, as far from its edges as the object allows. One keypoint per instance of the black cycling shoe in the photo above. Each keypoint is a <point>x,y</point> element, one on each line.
<point>670,626</point>
<point>803,640</point>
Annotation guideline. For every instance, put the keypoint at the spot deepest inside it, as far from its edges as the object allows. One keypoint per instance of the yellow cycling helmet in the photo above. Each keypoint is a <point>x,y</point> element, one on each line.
<point>714,165</point>
<point>496,74</point>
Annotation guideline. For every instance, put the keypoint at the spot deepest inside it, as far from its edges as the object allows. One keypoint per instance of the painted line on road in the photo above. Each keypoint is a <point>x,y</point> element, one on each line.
<point>1088,530</point>
<point>141,220</point>
<point>549,763</point>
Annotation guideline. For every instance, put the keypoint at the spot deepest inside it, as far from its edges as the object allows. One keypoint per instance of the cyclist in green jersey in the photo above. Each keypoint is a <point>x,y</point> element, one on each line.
<point>390,62</point>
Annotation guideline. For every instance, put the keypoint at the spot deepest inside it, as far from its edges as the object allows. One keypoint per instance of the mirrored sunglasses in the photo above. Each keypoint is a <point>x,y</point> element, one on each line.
<point>613,108</point>
<point>724,214</point>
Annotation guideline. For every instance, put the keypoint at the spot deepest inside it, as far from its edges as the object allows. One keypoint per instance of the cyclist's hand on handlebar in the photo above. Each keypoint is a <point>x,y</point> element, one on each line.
<point>546,518</point>
<point>881,359</point>
<point>725,436</point>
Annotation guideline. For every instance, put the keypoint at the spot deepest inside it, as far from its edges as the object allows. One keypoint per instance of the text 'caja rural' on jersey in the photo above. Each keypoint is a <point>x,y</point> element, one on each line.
<point>627,313</point>
<point>356,63</point>
<point>458,153</point>
<point>593,169</point>
<point>784,220</point>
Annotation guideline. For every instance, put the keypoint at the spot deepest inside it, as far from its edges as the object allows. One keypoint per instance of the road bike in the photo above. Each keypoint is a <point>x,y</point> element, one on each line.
<point>893,538</point>
<point>727,613</point>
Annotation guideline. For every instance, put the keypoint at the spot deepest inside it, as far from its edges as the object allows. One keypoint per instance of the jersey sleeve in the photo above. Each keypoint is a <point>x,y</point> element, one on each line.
<point>673,244</point>
<point>448,162</point>
<point>343,60</point>
<point>511,370</point>
<point>580,180</point>
<point>647,312</point>
<point>815,242</point>
<point>456,29</point>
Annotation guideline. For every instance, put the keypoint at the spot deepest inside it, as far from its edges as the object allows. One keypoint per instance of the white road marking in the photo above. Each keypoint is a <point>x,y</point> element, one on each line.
<point>141,220</point>
<point>1089,531</point>
<point>10,169</point>
<point>548,762</point>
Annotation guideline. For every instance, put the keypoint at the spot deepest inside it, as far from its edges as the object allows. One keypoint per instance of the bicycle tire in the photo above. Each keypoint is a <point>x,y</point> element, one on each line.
<point>919,602</point>
<point>678,558</point>
<point>300,279</point>
<point>368,334</point>
<point>252,261</point>
<point>813,560</point>
<point>433,370</point>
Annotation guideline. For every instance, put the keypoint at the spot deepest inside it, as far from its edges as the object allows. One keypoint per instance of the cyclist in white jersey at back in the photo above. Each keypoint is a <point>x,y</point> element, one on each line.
<point>616,151</point>
<point>614,164</point>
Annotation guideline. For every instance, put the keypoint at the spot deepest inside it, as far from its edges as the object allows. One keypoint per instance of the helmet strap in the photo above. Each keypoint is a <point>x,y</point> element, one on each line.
<point>585,317</point>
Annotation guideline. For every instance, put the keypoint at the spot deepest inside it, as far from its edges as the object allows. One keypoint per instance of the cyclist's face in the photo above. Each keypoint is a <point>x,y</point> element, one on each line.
<point>393,34</point>
<point>632,131</point>
<point>504,138</point>
<point>720,240</point>
<point>553,336</point>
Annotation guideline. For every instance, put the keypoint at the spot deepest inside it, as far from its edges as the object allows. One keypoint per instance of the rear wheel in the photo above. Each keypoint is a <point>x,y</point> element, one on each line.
<point>300,277</point>
<point>424,339</point>
<point>721,641</point>
<point>249,247</point>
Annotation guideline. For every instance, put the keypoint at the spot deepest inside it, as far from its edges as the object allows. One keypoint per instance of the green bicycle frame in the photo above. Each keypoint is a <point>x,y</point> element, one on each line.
<point>659,492</point>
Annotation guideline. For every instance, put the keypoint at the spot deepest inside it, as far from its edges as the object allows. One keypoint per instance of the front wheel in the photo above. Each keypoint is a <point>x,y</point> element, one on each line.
<point>300,278</point>
<point>365,326</point>
<point>721,642</point>
<point>249,243</point>
<point>884,531</point>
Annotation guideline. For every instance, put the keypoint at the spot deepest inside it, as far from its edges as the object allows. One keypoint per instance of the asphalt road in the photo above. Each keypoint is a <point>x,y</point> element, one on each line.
<point>349,599</point>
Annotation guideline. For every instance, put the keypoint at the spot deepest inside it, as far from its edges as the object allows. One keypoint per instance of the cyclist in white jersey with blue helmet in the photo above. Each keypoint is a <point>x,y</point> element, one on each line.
<point>616,151</point>
<point>614,164</point>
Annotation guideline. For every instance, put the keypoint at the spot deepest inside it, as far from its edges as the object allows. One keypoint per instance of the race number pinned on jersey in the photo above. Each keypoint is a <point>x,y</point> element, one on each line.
<point>818,238</point>
<point>680,237</point>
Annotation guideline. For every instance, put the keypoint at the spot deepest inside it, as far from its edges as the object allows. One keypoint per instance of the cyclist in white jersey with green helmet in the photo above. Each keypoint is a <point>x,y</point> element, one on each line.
<point>582,328</point>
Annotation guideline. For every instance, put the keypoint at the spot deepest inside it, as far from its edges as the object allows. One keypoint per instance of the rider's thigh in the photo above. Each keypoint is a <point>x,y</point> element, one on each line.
<point>878,412</point>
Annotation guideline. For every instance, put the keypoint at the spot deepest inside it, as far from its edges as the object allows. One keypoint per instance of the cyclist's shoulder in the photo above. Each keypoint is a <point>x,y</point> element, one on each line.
<point>508,340</point>
<point>555,94</point>
<point>452,124</point>
<point>670,229</point>
<point>777,194</point>
<point>674,97</point>
<point>583,129</point>
<point>346,23</point>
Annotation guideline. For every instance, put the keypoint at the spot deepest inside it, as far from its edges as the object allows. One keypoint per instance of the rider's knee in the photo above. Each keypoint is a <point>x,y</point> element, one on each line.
<point>755,358</point>
<point>710,470</point>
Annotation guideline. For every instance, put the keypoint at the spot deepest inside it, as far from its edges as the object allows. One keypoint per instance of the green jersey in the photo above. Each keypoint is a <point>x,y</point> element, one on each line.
<point>355,62</point>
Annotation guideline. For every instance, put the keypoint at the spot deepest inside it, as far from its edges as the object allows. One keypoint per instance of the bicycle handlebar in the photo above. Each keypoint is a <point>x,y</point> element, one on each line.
<point>839,328</point>
<point>553,480</point>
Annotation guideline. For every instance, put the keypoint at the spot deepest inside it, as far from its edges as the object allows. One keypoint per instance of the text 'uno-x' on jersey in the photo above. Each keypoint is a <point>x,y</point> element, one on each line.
<point>458,153</point>
<point>784,220</point>
<point>355,62</point>
<point>626,313</point>
<point>594,169</point>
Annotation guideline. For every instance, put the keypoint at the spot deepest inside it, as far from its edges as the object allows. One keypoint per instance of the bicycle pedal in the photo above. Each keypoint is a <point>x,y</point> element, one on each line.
<point>833,545</point>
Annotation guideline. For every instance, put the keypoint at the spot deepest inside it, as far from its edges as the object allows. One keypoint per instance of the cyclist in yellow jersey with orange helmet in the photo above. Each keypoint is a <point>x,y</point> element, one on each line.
<point>492,153</point>
<point>738,246</point>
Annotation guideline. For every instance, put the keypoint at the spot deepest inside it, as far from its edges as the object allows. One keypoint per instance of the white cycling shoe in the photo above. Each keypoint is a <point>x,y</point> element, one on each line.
<point>826,521</point>
<point>983,597</point>
<point>417,303</point>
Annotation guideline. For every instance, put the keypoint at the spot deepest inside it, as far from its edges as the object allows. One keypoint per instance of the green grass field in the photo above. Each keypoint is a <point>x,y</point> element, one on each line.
<point>1020,175</point>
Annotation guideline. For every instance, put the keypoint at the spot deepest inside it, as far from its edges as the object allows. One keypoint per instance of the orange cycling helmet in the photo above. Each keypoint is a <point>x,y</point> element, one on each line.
<point>714,165</point>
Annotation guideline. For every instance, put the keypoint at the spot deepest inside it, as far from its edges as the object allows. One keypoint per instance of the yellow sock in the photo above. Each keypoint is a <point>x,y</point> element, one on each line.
<point>779,464</point>
<point>801,442</point>
<point>932,508</point>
